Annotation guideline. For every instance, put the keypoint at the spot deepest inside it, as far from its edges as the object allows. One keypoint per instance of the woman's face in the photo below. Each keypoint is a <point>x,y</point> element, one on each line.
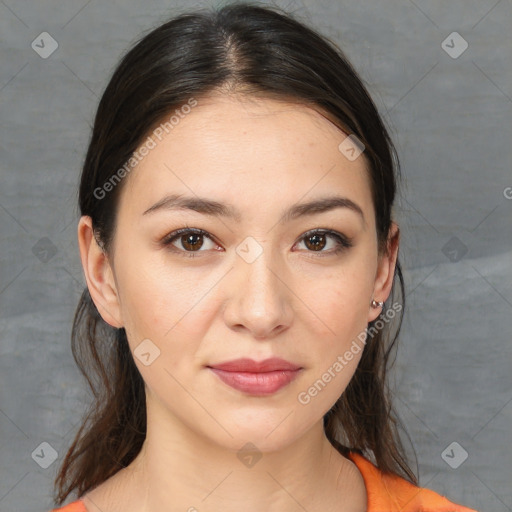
<point>252,285</point>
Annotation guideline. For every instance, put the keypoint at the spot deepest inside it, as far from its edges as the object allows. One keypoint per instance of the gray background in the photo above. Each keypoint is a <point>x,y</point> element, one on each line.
<point>451,120</point>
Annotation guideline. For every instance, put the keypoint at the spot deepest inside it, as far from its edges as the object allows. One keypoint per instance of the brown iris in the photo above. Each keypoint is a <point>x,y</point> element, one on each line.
<point>190,241</point>
<point>316,245</point>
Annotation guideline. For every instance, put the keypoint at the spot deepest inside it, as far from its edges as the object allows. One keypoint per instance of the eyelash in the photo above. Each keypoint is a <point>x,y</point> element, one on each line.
<point>343,242</point>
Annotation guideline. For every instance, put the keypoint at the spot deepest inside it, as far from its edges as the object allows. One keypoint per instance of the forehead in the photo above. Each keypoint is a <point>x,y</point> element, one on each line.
<point>251,150</point>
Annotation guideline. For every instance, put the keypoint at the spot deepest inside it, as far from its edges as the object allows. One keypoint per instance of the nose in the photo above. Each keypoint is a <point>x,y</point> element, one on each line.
<point>258,297</point>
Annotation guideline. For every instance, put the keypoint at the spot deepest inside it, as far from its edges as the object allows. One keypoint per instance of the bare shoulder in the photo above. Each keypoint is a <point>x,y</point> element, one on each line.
<point>350,483</point>
<point>96,499</point>
<point>108,496</point>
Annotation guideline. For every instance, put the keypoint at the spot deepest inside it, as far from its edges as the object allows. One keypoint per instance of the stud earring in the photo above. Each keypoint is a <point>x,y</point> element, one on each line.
<point>376,304</point>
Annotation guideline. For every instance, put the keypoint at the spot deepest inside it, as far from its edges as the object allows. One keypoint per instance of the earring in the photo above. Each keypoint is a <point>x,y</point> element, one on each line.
<point>376,304</point>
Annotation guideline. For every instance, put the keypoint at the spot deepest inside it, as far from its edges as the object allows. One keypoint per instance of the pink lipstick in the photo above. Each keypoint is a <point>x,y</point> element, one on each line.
<point>256,378</point>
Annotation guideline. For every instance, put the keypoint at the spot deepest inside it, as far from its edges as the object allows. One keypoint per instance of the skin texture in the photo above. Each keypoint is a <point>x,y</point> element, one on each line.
<point>306,306</point>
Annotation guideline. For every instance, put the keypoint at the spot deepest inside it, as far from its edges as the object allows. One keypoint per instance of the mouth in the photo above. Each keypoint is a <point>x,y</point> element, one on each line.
<point>256,378</point>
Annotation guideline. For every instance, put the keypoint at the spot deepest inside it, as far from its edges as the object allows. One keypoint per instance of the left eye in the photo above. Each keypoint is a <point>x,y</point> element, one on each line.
<point>316,240</point>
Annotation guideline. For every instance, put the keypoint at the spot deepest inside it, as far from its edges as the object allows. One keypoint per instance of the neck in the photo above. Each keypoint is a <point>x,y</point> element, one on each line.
<point>177,467</point>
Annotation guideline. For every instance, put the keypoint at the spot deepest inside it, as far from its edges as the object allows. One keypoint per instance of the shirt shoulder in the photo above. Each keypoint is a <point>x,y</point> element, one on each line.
<point>391,493</point>
<point>75,506</point>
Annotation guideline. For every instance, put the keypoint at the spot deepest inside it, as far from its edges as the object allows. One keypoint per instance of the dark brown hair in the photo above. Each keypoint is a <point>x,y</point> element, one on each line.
<point>259,51</point>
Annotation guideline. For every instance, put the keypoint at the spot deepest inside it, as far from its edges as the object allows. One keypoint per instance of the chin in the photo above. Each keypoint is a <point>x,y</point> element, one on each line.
<point>268,433</point>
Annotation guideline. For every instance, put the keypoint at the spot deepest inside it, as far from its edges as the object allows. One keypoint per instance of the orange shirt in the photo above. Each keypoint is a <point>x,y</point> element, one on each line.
<point>386,493</point>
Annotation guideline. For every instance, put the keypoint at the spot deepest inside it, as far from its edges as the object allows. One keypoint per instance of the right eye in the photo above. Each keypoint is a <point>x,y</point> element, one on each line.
<point>190,240</point>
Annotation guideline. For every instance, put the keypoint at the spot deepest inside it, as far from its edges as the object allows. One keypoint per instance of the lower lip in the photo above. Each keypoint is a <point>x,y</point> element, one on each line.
<point>262,383</point>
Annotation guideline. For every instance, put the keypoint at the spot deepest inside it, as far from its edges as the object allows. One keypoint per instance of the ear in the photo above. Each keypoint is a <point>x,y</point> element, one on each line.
<point>385,271</point>
<point>98,274</point>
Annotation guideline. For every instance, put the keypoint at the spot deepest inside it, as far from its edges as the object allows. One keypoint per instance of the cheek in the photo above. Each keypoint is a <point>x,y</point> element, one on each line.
<point>341,300</point>
<point>340,308</point>
<point>166,306</point>
<point>153,298</point>
<point>143,301</point>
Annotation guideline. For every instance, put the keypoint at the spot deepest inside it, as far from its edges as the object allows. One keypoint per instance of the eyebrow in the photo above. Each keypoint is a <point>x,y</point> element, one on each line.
<point>216,209</point>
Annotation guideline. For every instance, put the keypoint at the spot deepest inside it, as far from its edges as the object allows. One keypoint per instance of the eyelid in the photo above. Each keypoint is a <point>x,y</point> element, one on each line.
<point>330,232</point>
<point>343,242</point>
<point>169,238</point>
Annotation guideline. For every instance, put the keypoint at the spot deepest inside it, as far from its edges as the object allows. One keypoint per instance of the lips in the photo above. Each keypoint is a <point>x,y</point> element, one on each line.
<point>256,377</point>
<point>249,365</point>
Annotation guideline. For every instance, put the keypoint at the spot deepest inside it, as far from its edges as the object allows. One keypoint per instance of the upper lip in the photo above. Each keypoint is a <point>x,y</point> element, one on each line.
<point>249,365</point>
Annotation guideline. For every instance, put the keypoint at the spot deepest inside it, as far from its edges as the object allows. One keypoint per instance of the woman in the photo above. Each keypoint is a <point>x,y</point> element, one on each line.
<point>241,264</point>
